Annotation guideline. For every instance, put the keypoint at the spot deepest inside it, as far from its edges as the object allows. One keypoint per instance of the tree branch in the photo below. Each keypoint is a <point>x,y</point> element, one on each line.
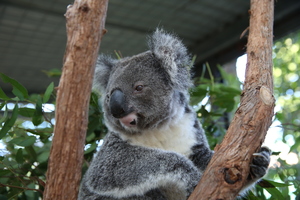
<point>228,170</point>
<point>85,28</point>
<point>23,188</point>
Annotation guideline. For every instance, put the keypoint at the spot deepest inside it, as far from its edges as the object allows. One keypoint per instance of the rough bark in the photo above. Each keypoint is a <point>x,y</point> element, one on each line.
<point>85,28</point>
<point>252,119</point>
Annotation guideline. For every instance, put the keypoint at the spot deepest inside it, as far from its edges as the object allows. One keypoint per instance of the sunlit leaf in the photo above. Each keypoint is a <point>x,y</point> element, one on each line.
<point>53,72</point>
<point>91,148</point>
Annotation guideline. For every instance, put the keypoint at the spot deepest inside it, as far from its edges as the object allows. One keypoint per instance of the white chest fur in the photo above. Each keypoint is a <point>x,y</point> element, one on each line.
<point>178,137</point>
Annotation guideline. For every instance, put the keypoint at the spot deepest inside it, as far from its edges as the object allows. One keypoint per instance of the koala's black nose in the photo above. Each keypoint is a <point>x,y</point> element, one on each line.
<point>117,104</point>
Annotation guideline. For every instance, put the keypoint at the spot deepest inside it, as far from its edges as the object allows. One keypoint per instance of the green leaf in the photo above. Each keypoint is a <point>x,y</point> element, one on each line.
<point>271,184</point>
<point>198,94</point>
<point>275,193</point>
<point>251,196</point>
<point>53,72</point>
<point>19,156</point>
<point>2,104</point>
<point>275,153</point>
<point>37,118</point>
<point>18,89</point>
<point>93,124</point>
<point>43,157</point>
<point>90,137</point>
<point>30,150</point>
<point>5,114</point>
<point>227,103</point>
<point>26,112</point>
<point>3,95</point>
<point>94,100</point>
<point>18,94</point>
<point>23,141</point>
<point>232,91</point>
<point>9,122</point>
<point>91,148</point>
<point>296,145</point>
<point>48,93</point>
<point>4,172</point>
<point>229,78</point>
<point>28,141</point>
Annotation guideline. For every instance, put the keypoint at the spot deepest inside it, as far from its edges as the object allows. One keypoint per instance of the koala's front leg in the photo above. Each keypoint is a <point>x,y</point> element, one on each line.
<point>258,167</point>
<point>201,155</point>
<point>260,163</point>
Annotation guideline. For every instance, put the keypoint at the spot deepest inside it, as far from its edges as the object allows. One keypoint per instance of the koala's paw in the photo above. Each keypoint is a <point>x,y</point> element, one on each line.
<point>260,163</point>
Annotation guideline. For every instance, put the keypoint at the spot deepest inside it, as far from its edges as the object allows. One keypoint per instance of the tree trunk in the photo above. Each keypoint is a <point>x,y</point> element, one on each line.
<point>252,119</point>
<point>85,28</point>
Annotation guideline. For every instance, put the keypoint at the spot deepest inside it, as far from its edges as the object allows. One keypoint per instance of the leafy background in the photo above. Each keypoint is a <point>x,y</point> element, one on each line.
<point>27,122</point>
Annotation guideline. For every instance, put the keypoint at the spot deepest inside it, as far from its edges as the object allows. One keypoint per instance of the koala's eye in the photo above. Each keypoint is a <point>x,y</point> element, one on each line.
<point>139,88</point>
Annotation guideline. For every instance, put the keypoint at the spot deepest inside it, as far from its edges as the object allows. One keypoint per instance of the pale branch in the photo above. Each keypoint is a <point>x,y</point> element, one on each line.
<point>228,170</point>
<point>85,28</point>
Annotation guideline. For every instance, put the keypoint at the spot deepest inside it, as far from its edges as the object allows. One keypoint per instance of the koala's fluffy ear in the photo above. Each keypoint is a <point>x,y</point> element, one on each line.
<point>103,69</point>
<point>172,54</point>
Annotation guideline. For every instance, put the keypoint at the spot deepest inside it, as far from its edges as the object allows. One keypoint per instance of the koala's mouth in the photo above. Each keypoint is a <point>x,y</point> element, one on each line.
<point>129,120</point>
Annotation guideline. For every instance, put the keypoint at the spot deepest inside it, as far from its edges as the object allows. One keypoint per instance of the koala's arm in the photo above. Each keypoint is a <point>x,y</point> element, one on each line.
<point>133,172</point>
<point>201,156</point>
<point>258,168</point>
<point>201,152</point>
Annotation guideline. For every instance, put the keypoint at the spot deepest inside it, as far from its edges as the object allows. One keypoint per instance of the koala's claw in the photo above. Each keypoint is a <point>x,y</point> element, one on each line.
<point>260,163</point>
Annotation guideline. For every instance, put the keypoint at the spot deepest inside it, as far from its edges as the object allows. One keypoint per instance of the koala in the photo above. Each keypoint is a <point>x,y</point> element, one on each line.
<point>155,148</point>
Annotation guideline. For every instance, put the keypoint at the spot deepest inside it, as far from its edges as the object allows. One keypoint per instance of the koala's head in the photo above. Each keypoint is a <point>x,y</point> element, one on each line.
<point>147,90</point>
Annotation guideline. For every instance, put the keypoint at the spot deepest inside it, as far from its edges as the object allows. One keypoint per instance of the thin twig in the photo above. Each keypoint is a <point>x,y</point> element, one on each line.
<point>23,188</point>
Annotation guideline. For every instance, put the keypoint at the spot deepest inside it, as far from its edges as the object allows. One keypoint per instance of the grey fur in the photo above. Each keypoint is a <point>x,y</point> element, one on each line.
<point>156,148</point>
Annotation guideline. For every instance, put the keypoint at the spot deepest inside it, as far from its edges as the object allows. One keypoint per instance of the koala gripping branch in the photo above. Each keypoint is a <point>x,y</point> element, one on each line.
<point>85,25</point>
<point>228,170</point>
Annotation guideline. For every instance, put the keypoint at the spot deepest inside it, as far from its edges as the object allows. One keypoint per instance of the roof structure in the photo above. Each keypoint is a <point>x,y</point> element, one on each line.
<point>33,34</point>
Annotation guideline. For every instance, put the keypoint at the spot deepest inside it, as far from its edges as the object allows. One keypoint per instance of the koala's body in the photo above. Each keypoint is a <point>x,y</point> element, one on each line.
<point>156,148</point>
